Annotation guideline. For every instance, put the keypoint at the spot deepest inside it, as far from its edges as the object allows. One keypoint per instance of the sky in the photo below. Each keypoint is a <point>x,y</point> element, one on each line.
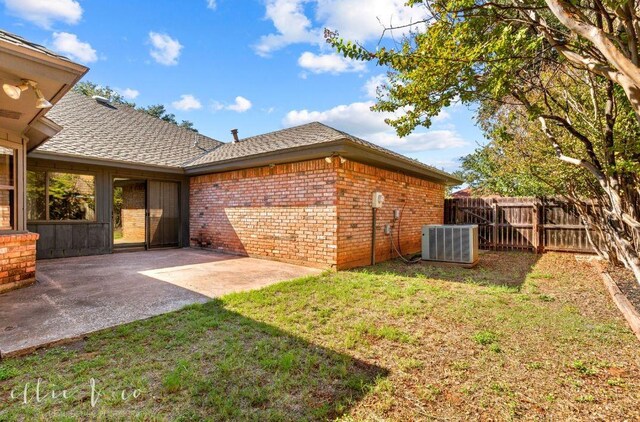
<point>254,65</point>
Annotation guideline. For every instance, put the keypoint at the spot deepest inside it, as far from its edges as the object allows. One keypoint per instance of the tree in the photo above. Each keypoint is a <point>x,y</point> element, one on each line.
<point>159,111</point>
<point>491,170</point>
<point>91,89</point>
<point>187,125</point>
<point>555,80</point>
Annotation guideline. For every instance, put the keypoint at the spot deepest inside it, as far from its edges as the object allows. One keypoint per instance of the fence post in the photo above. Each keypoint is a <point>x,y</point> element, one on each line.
<point>535,228</point>
<point>453,212</point>
<point>542,218</point>
<point>494,206</point>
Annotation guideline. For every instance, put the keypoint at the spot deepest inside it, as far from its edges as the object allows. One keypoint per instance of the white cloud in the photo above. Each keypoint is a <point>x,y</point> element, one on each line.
<point>360,20</point>
<point>69,45</point>
<point>371,86</point>
<point>358,119</point>
<point>364,20</point>
<point>292,26</point>
<point>187,102</point>
<point>241,105</point>
<point>44,12</point>
<point>217,106</point>
<point>212,4</point>
<point>444,115</point>
<point>129,93</point>
<point>329,63</point>
<point>166,50</point>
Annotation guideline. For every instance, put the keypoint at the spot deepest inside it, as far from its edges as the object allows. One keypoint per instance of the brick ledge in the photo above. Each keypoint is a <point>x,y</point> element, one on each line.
<point>10,237</point>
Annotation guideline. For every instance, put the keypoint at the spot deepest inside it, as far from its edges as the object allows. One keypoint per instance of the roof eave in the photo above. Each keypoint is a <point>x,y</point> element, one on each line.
<point>407,165</point>
<point>80,159</point>
<point>66,72</point>
<point>40,130</point>
<point>344,147</point>
<point>307,152</point>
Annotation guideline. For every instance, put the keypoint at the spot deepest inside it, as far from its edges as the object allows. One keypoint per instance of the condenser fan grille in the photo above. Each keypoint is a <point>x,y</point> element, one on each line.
<point>448,243</point>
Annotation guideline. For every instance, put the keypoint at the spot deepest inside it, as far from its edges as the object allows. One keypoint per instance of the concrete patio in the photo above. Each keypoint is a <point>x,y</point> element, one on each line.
<point>76,296</point>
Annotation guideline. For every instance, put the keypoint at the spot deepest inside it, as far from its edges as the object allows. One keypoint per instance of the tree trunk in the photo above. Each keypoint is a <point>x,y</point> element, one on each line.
<point>618,213</point>
<point>621,234</point>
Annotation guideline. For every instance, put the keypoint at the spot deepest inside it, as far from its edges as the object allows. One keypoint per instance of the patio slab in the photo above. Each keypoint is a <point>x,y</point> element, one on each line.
<point>76,296</point>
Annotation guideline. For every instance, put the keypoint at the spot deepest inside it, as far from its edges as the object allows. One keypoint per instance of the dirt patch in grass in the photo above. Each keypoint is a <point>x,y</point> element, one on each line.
<point>519,336</point>
<point>510,270</point>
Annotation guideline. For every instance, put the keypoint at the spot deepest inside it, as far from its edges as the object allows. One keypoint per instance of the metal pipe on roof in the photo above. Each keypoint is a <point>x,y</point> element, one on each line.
<point>234,132</point>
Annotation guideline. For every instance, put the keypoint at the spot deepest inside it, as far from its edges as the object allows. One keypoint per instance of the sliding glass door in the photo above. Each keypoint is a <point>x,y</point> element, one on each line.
<point>129,213</point>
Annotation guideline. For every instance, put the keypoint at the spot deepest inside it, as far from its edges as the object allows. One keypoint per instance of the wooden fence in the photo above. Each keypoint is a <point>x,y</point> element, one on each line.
<point>521,223</point>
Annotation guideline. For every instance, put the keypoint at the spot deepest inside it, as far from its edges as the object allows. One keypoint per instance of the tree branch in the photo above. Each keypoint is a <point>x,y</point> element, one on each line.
<point>570,17</point>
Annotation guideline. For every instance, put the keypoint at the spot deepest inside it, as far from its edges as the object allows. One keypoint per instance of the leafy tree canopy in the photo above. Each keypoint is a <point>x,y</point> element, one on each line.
<point>558,88</point>
<point>91,89</point>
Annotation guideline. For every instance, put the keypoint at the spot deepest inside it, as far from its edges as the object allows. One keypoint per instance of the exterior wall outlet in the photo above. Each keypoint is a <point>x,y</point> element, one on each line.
<point>396,214</point>
<point>377,200</point>
<point>387,229</point>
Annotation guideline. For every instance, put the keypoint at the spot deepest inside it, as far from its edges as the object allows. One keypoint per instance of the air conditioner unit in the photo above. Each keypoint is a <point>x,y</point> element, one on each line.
<point>449,243</point>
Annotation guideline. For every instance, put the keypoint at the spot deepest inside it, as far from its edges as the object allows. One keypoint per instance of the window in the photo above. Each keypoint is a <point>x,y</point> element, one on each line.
<point>36,195</point>
<point>7,188</point>
<point>56,196</point>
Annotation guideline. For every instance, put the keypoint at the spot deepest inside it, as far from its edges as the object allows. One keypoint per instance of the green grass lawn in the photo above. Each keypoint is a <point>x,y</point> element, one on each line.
<point>519,336</point>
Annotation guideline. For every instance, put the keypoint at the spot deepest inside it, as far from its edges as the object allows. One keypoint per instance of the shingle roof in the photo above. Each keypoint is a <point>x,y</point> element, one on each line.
<point>18,40</point>
<point>308,134</point>
<point>299,136</point>
<point>117,132</point>
<point>120,133</point>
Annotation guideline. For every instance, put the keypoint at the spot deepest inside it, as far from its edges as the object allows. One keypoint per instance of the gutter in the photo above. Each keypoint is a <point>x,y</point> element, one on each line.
<point>288,155</point>
<point>407,164</point>
<point>39,131</point>
<point>344,146</point>
<point>79,159</point>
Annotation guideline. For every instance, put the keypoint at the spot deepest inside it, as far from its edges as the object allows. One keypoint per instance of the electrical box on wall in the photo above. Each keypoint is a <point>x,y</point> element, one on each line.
<point>377,200</point>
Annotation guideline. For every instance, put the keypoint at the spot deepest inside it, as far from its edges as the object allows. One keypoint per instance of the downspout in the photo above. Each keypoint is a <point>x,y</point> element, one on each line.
<point>373,236</point>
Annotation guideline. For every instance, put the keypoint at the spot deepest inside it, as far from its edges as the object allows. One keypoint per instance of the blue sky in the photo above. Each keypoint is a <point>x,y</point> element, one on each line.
<point>255,65</point>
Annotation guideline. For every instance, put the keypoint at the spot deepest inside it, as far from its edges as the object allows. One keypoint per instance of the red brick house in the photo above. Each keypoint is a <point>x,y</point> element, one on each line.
<point>315,209</point>
<point>112,178</point>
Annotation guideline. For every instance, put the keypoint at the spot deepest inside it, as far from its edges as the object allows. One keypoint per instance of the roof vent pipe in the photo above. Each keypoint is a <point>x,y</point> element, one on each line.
<point>234,132</point>
<point>101,100</point>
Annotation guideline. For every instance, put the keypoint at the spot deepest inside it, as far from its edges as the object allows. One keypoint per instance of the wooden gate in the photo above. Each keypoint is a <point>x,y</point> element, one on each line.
<point>521,223</point>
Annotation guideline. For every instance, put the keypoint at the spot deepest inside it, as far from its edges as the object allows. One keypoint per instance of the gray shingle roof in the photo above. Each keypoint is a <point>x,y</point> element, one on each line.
<point>117,132</point>
<point>18,40</point>
<point>121,133</point>
<point>299,136</point>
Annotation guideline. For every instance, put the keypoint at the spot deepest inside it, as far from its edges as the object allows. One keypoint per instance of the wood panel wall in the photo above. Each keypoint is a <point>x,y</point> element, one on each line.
<point>78,238</point>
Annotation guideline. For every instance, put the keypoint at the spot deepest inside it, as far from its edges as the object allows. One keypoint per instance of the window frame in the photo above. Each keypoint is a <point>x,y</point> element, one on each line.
<point>48,219</point>
<point>13,211</point>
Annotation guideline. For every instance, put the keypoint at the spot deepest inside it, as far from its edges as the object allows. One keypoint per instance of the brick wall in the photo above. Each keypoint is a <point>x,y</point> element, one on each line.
<point>17,260</point>
<point>420,202</point>
<point>285,212</point>
<point>311,212</point>
<point>133,213</point>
